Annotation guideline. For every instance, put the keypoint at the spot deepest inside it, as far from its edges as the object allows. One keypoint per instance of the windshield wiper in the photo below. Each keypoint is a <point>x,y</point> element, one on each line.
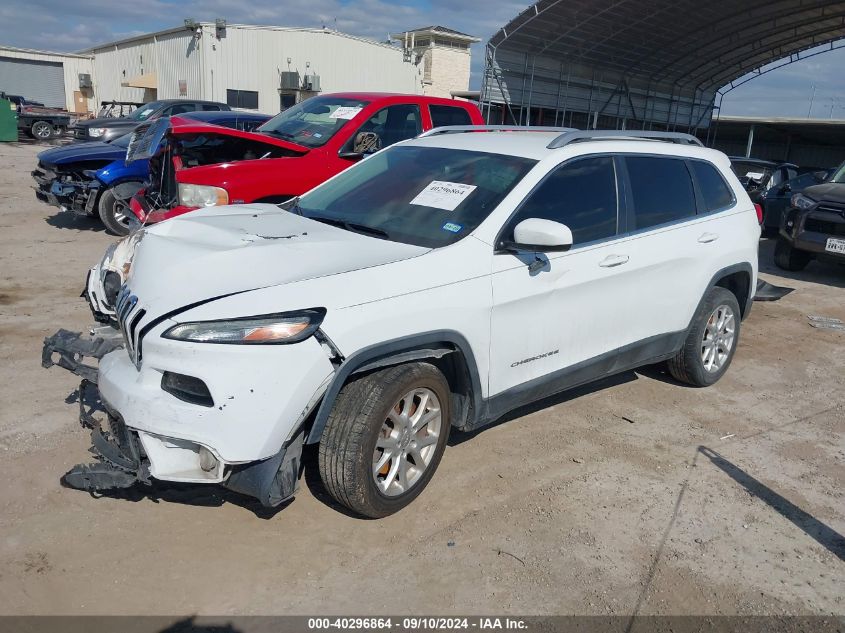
<point>351,226</point>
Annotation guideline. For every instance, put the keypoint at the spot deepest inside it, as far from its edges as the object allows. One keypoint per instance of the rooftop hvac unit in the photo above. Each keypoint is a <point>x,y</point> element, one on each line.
<point>85,81</point>
<point>289,80</point>
<point>311,83</point>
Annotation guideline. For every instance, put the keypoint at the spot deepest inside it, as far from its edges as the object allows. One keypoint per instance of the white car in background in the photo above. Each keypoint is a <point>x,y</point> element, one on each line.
<point>440,283</point>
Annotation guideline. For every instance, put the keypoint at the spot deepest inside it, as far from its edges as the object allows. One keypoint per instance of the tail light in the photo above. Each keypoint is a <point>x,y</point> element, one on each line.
<point>759,209</point>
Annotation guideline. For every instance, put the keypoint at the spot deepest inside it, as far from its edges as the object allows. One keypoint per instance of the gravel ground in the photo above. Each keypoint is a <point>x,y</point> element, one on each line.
<point>637,495</point>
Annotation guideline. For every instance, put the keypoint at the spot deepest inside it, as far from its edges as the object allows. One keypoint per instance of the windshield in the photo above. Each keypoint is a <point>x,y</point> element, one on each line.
<point>748,172</point>
<point>314,121</point>
<point>839,175</point>
<point>426,196</point>
<point>143,113</point>
<point>121,141</point>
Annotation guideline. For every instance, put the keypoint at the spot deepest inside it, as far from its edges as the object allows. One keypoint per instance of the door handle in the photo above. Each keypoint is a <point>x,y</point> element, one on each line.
<point>613,260</point>
<point>706,238</point>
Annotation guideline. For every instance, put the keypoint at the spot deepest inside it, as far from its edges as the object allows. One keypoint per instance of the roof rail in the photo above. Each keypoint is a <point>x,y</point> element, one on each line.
<point>457,129</point>
<point>622,135</point>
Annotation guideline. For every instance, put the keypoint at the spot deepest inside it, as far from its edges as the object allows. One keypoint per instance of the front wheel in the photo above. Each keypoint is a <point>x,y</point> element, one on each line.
<point>711,341</point>
<point>788,257</point>
<point>384,438</point>
<point>115,213</point>
<point>41,130</point>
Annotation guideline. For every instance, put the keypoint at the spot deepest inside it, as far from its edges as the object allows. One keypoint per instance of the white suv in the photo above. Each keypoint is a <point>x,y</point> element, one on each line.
<point>440,283</point>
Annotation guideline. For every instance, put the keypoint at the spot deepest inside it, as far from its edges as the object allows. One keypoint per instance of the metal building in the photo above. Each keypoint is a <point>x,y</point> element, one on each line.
<point>58,80</point>
<point>264,68</point>
<point>644,64</point>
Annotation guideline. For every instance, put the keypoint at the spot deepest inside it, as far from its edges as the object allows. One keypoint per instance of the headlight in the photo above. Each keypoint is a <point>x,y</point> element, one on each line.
<point>268,329</point>
<point>800,201</point>
<point>202,196</point>
<point>96,132</point>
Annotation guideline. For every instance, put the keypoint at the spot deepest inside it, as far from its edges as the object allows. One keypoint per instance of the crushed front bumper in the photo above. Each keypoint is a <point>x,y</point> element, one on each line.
<point>126,457</point>
<point>69,349</point>
<point>120,460</point>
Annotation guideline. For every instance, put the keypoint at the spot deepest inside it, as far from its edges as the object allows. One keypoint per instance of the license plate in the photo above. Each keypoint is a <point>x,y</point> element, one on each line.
<point>835,246</point>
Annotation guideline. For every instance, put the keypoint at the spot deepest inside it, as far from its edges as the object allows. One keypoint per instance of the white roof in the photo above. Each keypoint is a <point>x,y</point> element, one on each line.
<point>534,145</point>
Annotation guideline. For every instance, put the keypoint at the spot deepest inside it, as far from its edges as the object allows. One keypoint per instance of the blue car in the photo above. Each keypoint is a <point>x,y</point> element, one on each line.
<point>94,179</point>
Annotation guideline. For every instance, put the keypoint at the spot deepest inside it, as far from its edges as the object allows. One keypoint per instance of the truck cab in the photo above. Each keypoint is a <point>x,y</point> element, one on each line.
<point>292,153</point>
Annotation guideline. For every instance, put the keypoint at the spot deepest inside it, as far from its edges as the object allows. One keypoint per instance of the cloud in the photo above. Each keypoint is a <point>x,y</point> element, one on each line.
<point>63,26</point>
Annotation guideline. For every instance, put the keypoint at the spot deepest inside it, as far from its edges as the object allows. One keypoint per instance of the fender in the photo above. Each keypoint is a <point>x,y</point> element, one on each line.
<point>724,272</point>
<point>427,345</point>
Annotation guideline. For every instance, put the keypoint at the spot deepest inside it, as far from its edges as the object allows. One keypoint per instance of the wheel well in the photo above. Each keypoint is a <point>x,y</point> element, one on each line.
<point>449,357</point>
<point>739,283</point>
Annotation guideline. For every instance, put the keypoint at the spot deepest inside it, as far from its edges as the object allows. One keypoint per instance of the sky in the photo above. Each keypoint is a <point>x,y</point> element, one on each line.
<point>59,25</point>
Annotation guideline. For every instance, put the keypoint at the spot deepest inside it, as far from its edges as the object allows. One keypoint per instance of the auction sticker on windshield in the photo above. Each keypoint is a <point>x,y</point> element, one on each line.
<point>441,194</point>
<point>345,112</point>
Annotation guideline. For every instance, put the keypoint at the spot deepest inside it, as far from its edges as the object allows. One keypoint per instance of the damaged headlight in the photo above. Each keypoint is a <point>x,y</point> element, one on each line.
<point>202,196</point>
<point>268,329</point>
<point>800,201</point>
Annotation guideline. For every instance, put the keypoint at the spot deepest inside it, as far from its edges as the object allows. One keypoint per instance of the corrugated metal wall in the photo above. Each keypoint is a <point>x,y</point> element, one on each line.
<point>179,59</point>
<point>35,73</point>
<point>36,80</point>
<point>250,58</point>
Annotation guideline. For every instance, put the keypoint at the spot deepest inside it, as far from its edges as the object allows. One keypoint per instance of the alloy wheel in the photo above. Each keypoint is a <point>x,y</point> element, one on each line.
<point>407,442</point>
<point>719,337</point>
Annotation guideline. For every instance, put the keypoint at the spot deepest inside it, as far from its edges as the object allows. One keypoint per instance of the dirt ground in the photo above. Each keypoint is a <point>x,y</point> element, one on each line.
<point>637,495</point>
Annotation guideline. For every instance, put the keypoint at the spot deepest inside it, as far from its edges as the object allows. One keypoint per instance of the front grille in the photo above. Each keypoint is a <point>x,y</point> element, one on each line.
<point>129,316</point>
<point>823,226</point>
<point>832,207</point>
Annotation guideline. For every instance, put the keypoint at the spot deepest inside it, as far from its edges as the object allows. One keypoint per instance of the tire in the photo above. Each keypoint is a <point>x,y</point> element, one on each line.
<point>41,130</point>
<point>113,213</point>
<point>789,258</point>
<point>366,422</point>
<point>702,360</point>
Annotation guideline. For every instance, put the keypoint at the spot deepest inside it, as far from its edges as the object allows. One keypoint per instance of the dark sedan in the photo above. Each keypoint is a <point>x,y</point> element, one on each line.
<point>108,128</point>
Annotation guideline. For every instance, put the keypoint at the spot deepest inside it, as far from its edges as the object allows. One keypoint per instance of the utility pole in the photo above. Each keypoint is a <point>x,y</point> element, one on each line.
<point>812,98</point>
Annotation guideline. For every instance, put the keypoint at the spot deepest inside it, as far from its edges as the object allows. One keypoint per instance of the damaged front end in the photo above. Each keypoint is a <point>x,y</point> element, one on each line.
<point>72,188</point>
<point>120,459</point>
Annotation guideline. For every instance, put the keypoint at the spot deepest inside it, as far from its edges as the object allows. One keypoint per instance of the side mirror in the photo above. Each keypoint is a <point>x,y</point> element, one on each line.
<point>365,143</point>
<point>535,234</point>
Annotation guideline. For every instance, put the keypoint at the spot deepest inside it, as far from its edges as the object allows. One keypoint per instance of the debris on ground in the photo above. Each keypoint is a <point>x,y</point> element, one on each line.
<point>827,323</point>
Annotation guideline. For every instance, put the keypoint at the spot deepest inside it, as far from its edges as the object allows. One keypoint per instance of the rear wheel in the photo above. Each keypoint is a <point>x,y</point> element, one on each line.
<point>114,213</point>
<point>711,341</point>
<point>385,437</point>
<point>788,257</point>
<point>41,130</point>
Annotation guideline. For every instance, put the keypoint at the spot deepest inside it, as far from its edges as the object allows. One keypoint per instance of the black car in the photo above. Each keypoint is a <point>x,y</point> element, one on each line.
<point>776,200</point>
<point>759,176</point>
<point>108,128</point>
<point>814,224</point>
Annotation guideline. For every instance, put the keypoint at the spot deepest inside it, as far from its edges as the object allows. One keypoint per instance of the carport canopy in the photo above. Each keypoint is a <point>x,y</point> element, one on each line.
<point>648,59</point>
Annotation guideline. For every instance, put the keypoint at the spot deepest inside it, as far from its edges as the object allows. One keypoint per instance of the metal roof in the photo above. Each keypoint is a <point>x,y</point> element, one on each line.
<point>687,43</point>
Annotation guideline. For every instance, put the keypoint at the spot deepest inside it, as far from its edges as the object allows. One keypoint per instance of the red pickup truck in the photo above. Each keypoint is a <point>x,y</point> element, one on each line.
<point>201,165</point>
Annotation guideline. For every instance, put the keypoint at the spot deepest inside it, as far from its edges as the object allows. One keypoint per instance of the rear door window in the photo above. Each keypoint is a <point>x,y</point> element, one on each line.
<point>715,192</point>
<point>448,115</point>
<point>661,190</point>
<point>580,194</point>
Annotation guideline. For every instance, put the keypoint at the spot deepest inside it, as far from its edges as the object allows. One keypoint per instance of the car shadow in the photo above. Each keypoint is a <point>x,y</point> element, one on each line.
<point>819,271</point>
<point>72,221</point>
<point>190,625</point>
<point>459,437</point>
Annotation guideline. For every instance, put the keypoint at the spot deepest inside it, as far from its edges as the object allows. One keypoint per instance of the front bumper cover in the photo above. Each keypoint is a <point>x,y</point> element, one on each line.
<point>68,349</point>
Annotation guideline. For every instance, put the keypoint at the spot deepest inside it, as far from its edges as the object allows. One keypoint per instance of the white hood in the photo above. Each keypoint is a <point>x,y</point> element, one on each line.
<point>213,253</point>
